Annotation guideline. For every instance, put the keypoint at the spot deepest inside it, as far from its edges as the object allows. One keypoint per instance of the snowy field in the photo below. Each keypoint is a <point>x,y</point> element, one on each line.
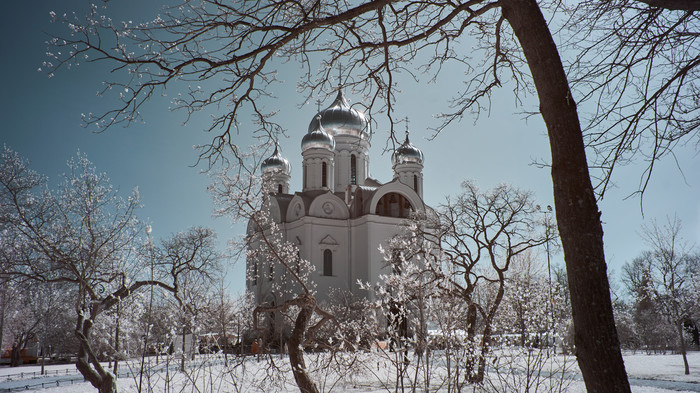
<point>368,373</point>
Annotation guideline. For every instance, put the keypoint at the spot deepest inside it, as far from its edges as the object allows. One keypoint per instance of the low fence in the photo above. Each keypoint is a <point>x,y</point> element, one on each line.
<point>70,377</point>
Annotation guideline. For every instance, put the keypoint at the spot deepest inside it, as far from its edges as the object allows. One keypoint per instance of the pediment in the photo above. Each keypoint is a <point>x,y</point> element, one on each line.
<point>328,241</point>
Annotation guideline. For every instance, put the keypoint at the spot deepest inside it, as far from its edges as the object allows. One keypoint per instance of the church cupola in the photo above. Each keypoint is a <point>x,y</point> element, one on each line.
<point>341,119</point>
<point>317,150</point>
<point>407,161</point>
<point>276,171</point>
<point>351,131</point>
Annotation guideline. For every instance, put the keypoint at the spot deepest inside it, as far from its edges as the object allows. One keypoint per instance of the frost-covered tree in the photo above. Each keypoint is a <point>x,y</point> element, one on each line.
<point>52,302</point>
<point>527,310</point>
<point>406,299</point>
<point>192,257</point>
<point>482,233</point>
<point>240,193</point>
<point>22,322</point>
<point>83,235</point>
<point>475,239</point>
<point>663,281</point>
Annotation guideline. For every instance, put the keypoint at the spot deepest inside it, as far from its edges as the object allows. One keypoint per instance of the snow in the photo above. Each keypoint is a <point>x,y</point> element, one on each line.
<point>648,374</point>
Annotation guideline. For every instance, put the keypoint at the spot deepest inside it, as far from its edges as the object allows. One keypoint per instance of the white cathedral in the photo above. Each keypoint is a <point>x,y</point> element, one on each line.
<point>342,215</point>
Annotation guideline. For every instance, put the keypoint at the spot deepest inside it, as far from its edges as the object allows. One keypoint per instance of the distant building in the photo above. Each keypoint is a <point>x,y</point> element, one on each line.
<point>342,215</point>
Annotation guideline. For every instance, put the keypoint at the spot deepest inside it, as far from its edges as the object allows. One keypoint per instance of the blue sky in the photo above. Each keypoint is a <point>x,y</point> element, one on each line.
<point>41,120</point>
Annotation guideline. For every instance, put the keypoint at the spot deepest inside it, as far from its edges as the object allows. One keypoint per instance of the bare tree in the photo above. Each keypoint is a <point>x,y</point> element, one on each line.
<point>637,65</point>
<point>82,235</point>
<point>191,256</point>
<point>482,234</point>
<point>241,43</point>
<point>663,279</point>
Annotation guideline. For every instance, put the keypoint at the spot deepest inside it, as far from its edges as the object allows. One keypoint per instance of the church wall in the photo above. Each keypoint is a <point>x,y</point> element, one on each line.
<point>380,231</point>
<point>318,234</point>
<point>355,240</point>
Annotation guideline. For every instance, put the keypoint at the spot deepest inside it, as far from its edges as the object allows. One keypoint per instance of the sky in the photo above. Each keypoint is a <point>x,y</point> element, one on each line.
<point>41,119</point>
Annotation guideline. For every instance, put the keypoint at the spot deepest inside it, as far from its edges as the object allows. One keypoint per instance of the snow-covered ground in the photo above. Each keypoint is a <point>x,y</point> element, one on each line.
<point>648,374</point>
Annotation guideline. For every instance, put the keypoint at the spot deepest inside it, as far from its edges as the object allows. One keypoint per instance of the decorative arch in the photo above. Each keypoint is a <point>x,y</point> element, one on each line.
<point>328,205</point>
<point>403,195</point>
<point>394,204</point>
<point>297,209</point>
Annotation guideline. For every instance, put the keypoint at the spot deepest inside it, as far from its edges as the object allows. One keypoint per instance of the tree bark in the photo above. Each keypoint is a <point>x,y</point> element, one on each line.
<point>578,218</point>
<point>16,355</point>
<point>681,346</point>
<point>296,351</point>
<point>87,363</point>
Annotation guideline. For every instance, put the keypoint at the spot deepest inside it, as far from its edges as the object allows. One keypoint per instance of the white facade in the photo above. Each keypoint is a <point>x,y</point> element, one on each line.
<point>342,215</point>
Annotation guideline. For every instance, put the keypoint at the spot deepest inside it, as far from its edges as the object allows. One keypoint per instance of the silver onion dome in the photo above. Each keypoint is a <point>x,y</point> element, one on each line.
<point>276,163</point>
<point>318,138</point>
<point>341,119</point>
<point>407,153</point>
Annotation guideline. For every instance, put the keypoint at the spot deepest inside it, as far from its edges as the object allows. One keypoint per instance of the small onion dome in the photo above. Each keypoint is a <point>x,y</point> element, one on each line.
<point>318,138</point>
<point>276,163</point>
<point>407,153</point>
<point>341,119</point>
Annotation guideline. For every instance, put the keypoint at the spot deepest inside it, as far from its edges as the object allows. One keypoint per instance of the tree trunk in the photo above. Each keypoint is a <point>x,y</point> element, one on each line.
<point>296,352</point>
<point>116,343</point>
<point>681,345</point>
<point>3,302</point>
<point>43,360</point>
<point>16,356</point>
<point>184,349</point>
<point>578,219</point>
<point>87,363</point>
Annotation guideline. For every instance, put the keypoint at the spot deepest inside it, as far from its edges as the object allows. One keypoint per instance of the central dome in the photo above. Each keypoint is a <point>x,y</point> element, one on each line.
<point>341,119</point>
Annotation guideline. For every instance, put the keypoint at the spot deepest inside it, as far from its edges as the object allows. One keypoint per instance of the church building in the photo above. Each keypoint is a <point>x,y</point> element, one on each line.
<point>342,215</point>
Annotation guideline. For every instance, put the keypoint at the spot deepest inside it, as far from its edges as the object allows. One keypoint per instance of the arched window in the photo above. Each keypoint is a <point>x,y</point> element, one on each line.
<point>324,175</point>
<point>327,262</point>
<point>272,272</point>
<point>415,183</point>
<point>353,169</point>
<point>279,188</point>
<point>394,205</point>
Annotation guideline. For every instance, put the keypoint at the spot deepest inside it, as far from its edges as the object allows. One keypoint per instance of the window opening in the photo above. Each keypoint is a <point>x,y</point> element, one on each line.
<point>353,169</point>
<point>327,262</point>
<point>394,205</point>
